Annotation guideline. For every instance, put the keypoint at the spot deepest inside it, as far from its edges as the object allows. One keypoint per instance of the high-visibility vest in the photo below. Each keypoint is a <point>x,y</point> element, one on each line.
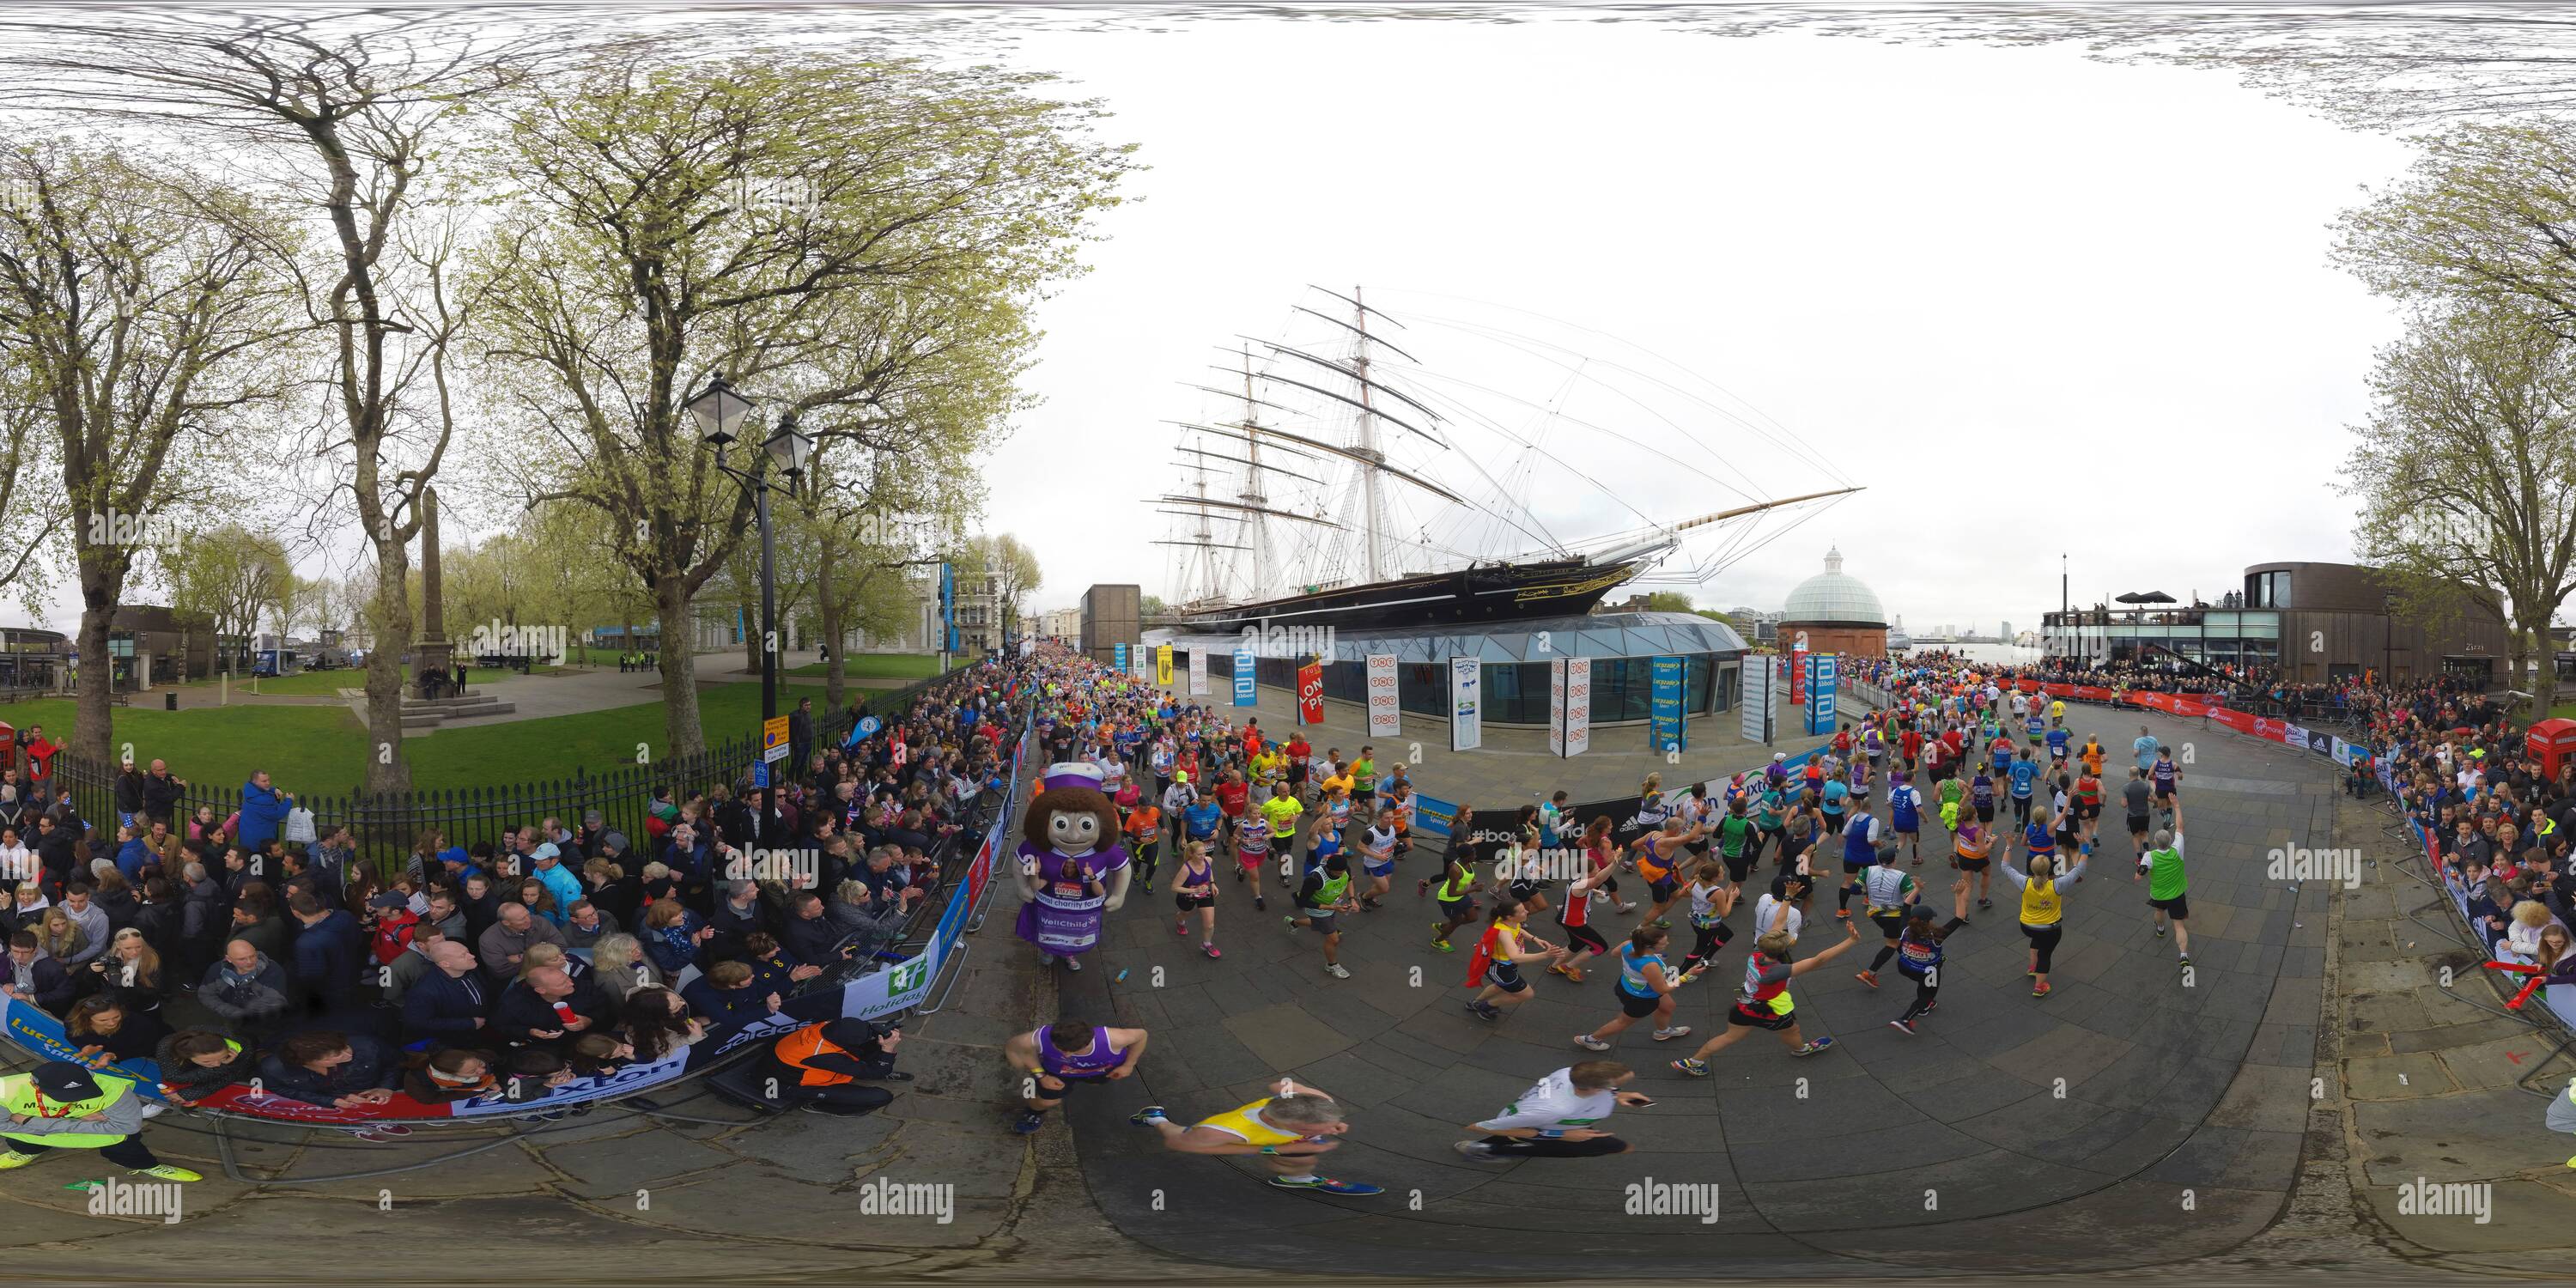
<point>804,1044</point>
<point>18,1096</point>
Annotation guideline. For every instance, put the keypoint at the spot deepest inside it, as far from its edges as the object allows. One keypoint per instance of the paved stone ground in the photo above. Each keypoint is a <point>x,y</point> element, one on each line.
<point>2128,1120</point>
<point>2206,1090</point>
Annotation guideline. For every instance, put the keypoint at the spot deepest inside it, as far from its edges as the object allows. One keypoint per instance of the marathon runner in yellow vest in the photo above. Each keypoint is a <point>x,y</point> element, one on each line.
<point>61,1105</point>
<point>1287,1131</point>
<point>1765,1002</point>
<point>2043,895</point>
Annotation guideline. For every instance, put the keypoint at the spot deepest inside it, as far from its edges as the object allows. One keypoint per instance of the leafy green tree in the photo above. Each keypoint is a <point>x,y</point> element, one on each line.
<point>228,576</point>
<point>724,215</point>
<point>2466,473</point>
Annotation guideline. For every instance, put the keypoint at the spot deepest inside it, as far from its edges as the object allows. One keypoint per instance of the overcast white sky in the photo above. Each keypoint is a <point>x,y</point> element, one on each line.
<point>2035,303</point>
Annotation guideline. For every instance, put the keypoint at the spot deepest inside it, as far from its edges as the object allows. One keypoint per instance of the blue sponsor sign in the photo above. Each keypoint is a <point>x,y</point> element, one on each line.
<point>1118,657</point>
<point>1666,708</point>
<point>1245,694</point>
<point>1820,693</point>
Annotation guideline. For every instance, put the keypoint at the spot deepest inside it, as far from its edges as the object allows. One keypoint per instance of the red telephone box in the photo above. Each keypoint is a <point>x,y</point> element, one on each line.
<point>2553,742</point>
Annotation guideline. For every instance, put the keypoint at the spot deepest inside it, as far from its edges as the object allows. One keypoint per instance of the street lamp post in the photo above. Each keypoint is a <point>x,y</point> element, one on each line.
<point>720,412</point>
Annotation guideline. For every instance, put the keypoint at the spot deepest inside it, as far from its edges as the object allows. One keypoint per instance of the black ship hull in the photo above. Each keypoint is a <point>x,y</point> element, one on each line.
<point>1474,596</point>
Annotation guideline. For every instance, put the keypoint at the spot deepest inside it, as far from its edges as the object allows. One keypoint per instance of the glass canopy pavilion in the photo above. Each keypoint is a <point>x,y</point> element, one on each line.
<point>1621,648</point>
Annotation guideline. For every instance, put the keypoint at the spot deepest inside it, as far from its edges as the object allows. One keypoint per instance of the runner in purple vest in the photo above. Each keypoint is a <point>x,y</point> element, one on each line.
<point>1055,1057</point>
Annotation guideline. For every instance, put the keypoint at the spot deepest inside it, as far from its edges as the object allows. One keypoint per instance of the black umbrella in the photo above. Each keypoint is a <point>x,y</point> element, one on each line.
<point>2146,597</point>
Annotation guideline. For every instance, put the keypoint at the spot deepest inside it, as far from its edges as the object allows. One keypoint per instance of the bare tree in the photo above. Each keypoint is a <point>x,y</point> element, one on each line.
<point>348,113</point>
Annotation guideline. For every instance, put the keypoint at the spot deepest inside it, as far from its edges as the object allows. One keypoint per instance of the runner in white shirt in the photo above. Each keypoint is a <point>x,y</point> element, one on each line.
<point>1768,910</point>
<point>1559,1117</point>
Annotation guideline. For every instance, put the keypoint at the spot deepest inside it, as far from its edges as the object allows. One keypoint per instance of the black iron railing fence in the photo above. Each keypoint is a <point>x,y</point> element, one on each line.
<point>386,825</point>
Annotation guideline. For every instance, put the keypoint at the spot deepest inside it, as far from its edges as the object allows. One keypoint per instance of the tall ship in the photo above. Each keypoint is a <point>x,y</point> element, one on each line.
<point>1345,482</point>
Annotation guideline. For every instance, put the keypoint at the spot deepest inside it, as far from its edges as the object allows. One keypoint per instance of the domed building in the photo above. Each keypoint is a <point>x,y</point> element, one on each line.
<point>1837,612</point>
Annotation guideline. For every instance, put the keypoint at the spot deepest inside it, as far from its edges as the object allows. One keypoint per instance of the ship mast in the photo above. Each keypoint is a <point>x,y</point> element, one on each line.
<point>1252,493</point>
<point>1368,448</point>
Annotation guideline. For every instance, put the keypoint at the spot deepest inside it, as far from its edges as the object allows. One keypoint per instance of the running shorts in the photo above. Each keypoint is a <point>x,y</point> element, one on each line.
<point>1506,976</point>
<point>2137,825</point>
<point>1633,1006</point>
<point>2177,907</point>
<point>1747,1017</point>
<point>1193,902</point>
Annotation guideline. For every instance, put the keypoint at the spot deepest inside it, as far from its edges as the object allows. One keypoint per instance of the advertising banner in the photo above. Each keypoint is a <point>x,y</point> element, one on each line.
<point>1556,706</point>
<point>1466,704</point>
<point>1385,717</point>
<point>1163,666</point>
<point>1820,693</point>
<point>1198,672</point>
<point>1246,692</point>
<point>1798,670</point>
<point>1666,707</point>
<point>1756,706</point>
<point>1578,705</point>
<point>1118,658</point>
<point>1310,694</point>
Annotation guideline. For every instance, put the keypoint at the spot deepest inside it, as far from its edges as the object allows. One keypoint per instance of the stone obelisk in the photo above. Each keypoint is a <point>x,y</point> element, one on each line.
<point>432,654</point>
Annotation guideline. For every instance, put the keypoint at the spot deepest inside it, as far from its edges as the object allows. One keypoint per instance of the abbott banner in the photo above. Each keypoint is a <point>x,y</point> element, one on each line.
<point>1386,719</point>
<point>1245,694</point>
<point>1163,666</point>
<point>1578,705</point>
<point>1466,704</point>
<point>1198,672</point>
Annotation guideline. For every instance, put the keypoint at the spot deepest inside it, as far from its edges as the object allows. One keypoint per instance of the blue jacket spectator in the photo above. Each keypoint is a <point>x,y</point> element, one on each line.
<point>263,810</point>
<point>673,946</point>
<point>320,1067</point>
<point>560,882</point>
<point>327,949</point>
<point>724,996</point>
<point>130,858</point>
<point>447,1002</point>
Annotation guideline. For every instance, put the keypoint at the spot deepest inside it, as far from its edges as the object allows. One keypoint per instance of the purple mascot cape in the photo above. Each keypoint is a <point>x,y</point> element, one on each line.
<point>1061,855</point>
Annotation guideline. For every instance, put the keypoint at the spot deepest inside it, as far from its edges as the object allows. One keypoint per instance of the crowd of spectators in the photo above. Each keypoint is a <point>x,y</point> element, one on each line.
<point>229,953</point>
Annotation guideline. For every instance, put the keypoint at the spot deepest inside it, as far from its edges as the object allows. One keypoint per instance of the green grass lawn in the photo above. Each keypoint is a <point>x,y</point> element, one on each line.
<point>891,666</point>
<point>320,749</point>
<point>326,683</point>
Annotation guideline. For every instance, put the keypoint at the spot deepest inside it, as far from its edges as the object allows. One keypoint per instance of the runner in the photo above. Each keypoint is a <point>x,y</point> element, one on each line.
<point>1326,892</point>
<point>1194,890</point>
<point>1377,862</point>
<point>2145,747</point>
<point>1976,848</point>
<point>1523,868</point>
<point>1645,987</point>
<point>2167,777</point>
<point>1981,796</point>
<point>2088,807</point>
<point>1712,895</point>
<point>1905,810</point>
<point>1289,1131</point>
<point>1737,841</point>
<point>1251,851</point>
<point>1659,858</point>
<point>1280,812</point>
<point>1177,800</point>
<point>1919,952</point>
<point>2042,911</point>
<point>1765,1002</point>
<point>1053,1058</point>
<point>2136,795</point>
<point>1860,850</point>
<point>1887,893</point>
<point>2162,869</point>
<point>1456,883</point>
<point>1505,947</point>
<point>1144,827</point>
<point>2025,780</point>
<point>1576,918</point>
<point>1555,1118</point>
<point>1233,797</point>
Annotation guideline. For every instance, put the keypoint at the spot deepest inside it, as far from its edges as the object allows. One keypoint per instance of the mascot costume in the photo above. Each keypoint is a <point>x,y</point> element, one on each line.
<point>1073,871</point>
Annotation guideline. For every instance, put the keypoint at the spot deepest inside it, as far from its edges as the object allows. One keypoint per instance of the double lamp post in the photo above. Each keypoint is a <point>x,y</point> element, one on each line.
<point>720,411</point>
